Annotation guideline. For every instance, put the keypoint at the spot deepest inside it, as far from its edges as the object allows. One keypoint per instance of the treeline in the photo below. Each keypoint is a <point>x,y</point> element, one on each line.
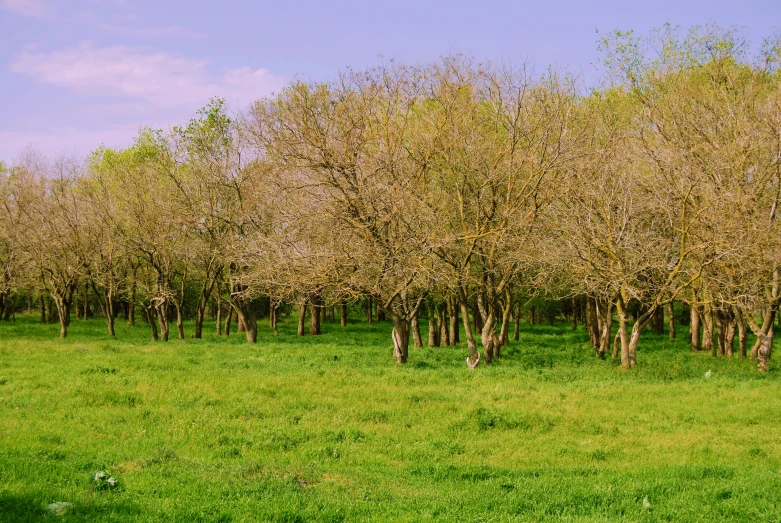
<point>451,191</point>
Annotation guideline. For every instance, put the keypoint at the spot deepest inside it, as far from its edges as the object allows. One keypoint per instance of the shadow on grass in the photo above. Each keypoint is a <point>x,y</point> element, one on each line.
<point>31,508</point>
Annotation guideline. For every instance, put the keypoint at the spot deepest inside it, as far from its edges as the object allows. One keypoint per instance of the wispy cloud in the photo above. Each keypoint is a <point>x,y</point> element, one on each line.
<point>156,77</point>
<point>33,8</point>
<point>172,31</point>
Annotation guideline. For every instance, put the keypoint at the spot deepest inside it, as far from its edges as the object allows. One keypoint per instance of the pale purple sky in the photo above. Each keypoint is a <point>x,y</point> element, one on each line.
<point>78,73</point>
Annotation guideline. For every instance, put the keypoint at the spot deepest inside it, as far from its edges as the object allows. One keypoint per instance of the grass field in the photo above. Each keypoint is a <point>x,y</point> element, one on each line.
<point>329,429</point>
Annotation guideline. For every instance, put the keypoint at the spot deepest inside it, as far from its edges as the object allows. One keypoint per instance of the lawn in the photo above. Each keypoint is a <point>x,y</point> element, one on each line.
<point>328,428</point>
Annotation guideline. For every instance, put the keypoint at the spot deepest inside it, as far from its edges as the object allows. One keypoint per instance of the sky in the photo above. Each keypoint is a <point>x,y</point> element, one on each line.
<point>77,74</point>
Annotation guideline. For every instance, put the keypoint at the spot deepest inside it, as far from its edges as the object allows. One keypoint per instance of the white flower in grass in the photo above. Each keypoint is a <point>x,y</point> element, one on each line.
<point>646,503</point>
<point>707,374</point>
<point>111,482</point>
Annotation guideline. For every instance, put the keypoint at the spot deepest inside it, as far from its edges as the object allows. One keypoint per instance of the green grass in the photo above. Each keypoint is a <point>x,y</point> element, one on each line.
<point>329,429</point>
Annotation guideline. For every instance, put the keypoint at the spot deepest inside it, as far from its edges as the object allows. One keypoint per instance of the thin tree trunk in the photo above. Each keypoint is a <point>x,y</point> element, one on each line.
<point>740,321</point>
<point>504,337</point>
<point>671,319</point>
<point>131,305</point>
<point>43,310</point>
<point>694,328</point>
<point>623,331</point>
<point>301,317</point>
<point>369,311</point>
<point>474,357</point>
<point>452,314</point>
<point>343,314</point>
<point>606,323</point>
<point>228,320</point>
<point>150,317</point>
<point>517,322</point>
<point>414,324</point>
<point>218,304</point>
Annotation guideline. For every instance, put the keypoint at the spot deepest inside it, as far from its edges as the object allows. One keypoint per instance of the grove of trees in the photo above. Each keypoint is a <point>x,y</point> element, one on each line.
<point>451,192</point>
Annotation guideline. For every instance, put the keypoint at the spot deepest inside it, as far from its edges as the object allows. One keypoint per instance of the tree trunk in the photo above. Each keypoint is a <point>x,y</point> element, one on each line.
<point>400,335</point>
<point>150,317</point>
<point>315,314</point>
<point>452,314</point>
<point>729,338</point>
<point>415,325</point>
<point>131,304</point>
<point>488,334</point>
<point>273,313</point>
<point>606,323</point>
<point>228,320</point>
<point>707,331</point>
<point>671,319</point>
<point>343,314</point>
<point>504,337</point>
<point>218,319</point>
<point>433,332</point>
<point>250,324</point>
<point>162,319</point>
<point>740,321</point>
<point>62,316</point>
<point>43,310</point>
<point>574,313</point>
<point>86,301</point>
<point>369,311</point>
<point>444,338</point>
<point>593,324</point>
<point>623,331</point>
<point>694,328</point>
<point>474,356</point>
<point>517,322</point>
<point>301,317</point>
<point>179,320</point>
